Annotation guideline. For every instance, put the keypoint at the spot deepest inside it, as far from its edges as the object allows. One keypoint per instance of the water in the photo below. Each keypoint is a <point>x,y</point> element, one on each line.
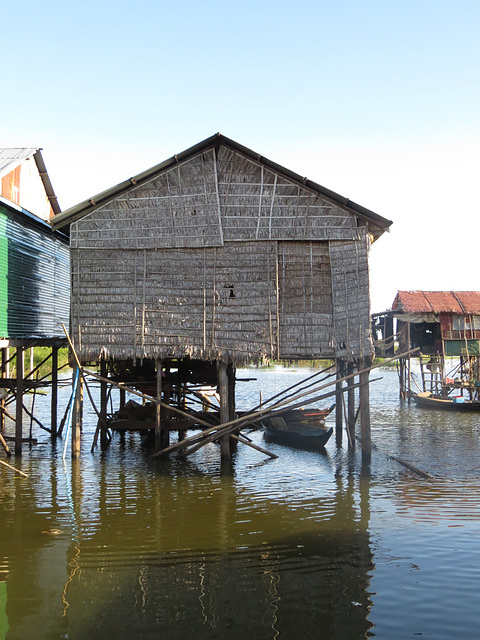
<point>119,545</point>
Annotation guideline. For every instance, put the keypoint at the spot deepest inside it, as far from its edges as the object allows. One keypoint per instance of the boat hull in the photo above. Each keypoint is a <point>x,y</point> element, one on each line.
<point>429,401</point>
<point>306,438</point>
<point>298,427</point>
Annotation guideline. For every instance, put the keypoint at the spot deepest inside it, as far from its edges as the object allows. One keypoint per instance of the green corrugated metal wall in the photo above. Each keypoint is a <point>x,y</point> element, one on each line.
<point>3,276</point>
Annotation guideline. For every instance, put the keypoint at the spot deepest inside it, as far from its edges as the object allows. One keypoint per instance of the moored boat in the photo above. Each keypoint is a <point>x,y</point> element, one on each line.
<point>453,403</point>
<point>304,427</point>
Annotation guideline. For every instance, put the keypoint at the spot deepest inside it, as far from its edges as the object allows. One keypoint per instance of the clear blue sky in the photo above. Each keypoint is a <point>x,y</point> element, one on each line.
<point>375,99</point>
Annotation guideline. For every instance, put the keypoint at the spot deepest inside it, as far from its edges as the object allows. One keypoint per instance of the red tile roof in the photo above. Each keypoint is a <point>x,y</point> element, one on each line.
<point>459,302</point>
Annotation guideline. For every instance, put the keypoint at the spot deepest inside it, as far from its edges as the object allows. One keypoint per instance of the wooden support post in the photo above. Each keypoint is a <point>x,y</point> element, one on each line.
<point>19,403</point>
<point>231,402</point>
<point>351,405</point>
<point>77,416</point>
<point>224,408</point>
<point>339,404</point>
<point>409,362</point>
<point>54,396</point>
<point>123,396</point>
<point>2,400</point>
<point>365,410</point>
<point>162,438</point>
<point>103,403</point>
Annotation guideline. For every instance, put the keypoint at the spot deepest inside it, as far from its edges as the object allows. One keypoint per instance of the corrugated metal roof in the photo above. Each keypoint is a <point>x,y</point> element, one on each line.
<point>458,302</point>
<point>11,158</point>
<point>377,223</point>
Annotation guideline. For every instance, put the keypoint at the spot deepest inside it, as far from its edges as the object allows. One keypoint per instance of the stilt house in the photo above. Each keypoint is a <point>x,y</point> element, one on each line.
<point>34,274</point>
<point>220,254</point>
<point>212,259</point>
<point>440,324</point>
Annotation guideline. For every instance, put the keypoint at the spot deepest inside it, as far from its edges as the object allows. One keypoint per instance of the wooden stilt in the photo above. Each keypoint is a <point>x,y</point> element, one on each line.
<point>19,403</point>
<point>365,410</point>
<point>162,434</point>
<point>2,400</point>
<point>103,403</point>
<point>224,408</point>
<point>231,401</point>
<point>54,396</point>
<point>351,404</point>
<point>339,405</point>
<point>409,365</point>
<point>77,417</point>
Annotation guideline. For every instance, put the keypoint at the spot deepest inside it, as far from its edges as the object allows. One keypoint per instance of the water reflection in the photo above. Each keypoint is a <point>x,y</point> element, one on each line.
<point>311,545</point>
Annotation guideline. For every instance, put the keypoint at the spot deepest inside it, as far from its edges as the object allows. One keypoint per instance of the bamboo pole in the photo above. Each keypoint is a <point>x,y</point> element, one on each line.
<point>13,468</point>
<point>86,385</point>
<point>253,446</point>
<point>5,445</point>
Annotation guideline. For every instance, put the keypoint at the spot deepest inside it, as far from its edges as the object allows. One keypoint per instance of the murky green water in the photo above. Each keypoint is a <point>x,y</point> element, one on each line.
<point>118,545</point>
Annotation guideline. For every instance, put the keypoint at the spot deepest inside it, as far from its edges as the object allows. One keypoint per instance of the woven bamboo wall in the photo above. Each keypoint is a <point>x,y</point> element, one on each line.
<point>220,258</point>
<point>207,201</point>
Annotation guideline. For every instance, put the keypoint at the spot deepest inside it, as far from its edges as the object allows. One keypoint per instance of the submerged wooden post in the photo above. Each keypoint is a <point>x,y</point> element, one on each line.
<point>351,404</point>
<point>231,401</point>
<point>4,375</point>
<point>365,410</point>
<point>339,404</point>
<point>77,415</point>
<point>19,407</point>
<point>54,395</point>
<point>162,432</point>
<point>123,396</point>
<point>409,363</point>
<point>224,408</point>
<point>103,403</point>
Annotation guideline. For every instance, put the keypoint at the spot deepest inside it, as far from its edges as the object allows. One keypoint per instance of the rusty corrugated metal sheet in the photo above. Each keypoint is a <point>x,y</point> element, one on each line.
<point>437,302</point>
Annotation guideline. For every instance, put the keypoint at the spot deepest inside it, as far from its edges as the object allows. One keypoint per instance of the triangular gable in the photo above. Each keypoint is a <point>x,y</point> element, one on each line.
<point>256,202</point>
<point>25,181</point>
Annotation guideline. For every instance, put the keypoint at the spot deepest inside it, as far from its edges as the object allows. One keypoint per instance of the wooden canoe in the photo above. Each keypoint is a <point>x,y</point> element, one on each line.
<point>430,401</point>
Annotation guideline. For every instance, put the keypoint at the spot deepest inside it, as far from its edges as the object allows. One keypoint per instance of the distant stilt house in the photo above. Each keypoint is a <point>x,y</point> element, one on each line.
<point>216,258</point>
<point>440,324</point>
<point>34,279</point>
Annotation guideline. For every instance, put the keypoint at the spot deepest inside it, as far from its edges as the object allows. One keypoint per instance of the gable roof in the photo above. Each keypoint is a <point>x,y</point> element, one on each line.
<point>437,302</point>
<point>377,224</point>
<point>11,158</point>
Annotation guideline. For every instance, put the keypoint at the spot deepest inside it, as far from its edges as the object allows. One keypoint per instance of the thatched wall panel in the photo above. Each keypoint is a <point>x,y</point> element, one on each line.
<point>174,303</point>
<point>351,301</point>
